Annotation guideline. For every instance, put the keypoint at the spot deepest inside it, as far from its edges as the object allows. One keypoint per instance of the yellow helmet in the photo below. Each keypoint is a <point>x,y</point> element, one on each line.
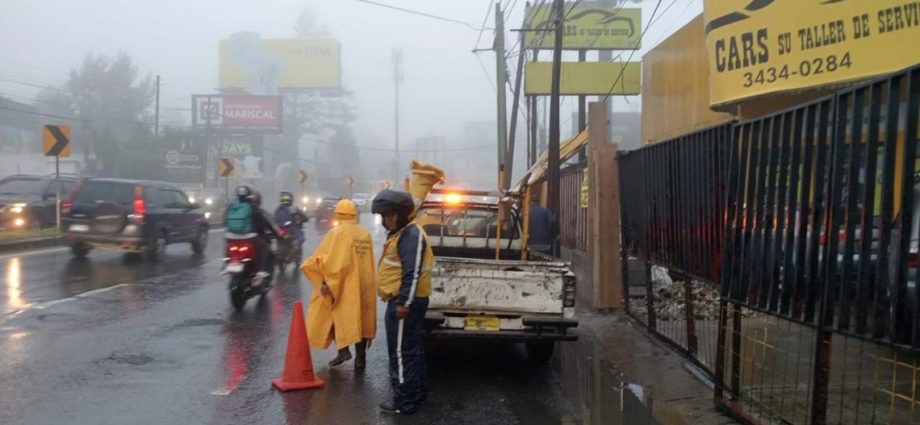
<point>346,207</point>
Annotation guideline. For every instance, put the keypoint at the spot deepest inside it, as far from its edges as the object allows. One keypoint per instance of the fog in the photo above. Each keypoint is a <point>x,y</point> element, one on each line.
<point>446,86</point>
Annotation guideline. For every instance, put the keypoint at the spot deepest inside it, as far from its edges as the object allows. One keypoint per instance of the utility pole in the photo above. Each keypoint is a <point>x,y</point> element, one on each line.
<point>606,56</point>
<point>156,119</point>
<point>397,78</point>
<point>501,76</point>
<point>582,113</point>
<point>552,202</point>
<point>515,106</point>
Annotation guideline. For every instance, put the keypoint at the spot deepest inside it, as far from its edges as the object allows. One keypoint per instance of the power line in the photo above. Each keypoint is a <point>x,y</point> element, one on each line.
<point>427,15</point>
<point>486,73</point>
<point>73,118</point>
<point>481,30</point>
<point>625,64</point>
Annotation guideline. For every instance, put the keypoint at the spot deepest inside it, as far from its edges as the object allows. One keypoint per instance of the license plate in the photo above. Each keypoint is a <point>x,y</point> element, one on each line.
<point>79,228</point>
<point>482,323</point>
<point>234,268</point>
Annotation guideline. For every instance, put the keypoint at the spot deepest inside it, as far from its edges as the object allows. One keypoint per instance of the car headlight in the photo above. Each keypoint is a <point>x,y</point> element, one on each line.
<point>19,222</point>
<point>191,199</point>
<point>207,215</point>
<point>319,201</point>
<point>18,208</point>
<point>305,199</point>
<point>209,201</point>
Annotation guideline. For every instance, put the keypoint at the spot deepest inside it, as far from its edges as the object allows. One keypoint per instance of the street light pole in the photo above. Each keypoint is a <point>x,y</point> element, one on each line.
<point>397,78</point>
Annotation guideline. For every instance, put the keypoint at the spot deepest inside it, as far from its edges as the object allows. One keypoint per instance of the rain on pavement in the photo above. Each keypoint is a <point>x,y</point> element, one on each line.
<point>113,340</point>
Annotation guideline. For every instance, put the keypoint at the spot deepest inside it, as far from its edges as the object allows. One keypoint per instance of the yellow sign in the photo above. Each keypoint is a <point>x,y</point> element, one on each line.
<point>769,46</point>
<point>586,27</point>
<point>56,141</point>
<point>482,323</point>
<point>251,63</point>
<point>585,189</point>
<point>227,167</point>
<point>584,78</point>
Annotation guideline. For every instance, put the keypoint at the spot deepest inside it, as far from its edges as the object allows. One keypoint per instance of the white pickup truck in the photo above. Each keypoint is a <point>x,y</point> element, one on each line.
<point>476,296</point>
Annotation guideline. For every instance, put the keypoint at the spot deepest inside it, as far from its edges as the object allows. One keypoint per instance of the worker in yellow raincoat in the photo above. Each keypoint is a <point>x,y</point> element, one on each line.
<point>343,307</point>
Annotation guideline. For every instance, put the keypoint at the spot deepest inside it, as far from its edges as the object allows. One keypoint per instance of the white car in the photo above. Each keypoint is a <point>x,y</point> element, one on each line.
<point>360,200</point>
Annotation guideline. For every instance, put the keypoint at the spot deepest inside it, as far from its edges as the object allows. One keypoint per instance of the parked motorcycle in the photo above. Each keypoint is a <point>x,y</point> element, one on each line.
<point>241,260</point>
<point>290,251</point>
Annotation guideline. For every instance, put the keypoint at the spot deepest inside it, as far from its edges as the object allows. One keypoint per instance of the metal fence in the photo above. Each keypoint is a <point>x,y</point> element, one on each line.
<point>672,197</point>
<point>573,216</point>
<point>800,230</point>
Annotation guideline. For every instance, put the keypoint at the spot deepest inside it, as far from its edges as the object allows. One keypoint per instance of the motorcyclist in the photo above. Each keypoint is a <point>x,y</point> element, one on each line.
<point>287,212</point>
<point>263,228</point>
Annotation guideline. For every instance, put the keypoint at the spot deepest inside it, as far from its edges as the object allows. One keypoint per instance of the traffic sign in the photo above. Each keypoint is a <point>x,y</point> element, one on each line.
<point>351,181</point>
<point>227,167</point>
<point>57,140</point>
<point>302,176</point>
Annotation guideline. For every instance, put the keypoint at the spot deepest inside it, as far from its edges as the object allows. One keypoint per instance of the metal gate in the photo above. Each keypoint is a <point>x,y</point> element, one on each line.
<point>815,259</point>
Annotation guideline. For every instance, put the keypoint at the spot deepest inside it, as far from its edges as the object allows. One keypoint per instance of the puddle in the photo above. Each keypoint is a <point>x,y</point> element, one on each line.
<point>595,388</point>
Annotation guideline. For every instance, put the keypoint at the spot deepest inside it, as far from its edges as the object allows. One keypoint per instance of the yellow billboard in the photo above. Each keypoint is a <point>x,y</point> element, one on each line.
<point>587,26</point>
<point>254,64</point>
<point>584,78</point>
<point>769,46</point>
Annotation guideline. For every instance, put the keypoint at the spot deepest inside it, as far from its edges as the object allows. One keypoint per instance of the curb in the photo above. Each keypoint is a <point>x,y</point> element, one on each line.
<point>29,244</point>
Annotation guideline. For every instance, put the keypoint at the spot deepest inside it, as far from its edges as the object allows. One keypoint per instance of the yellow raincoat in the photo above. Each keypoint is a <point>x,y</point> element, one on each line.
<point>345,260</point>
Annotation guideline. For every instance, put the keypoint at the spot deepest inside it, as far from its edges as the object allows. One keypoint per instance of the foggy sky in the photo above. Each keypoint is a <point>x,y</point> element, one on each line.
<point>445,85</point>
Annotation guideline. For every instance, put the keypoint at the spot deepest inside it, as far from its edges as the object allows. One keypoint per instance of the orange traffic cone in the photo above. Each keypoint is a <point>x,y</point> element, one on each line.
<point>298,364</point>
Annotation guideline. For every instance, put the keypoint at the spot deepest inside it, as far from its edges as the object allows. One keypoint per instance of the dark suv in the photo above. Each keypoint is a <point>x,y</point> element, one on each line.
<point>131,216</point>
<point>28,202</point>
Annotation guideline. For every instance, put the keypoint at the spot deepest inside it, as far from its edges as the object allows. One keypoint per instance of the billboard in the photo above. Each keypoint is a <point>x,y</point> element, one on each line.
<point>184,165</point>
<point>783,45</point>
<point>584,78</point>
<point>251,114</point>
<point>246,150</point>
<point>587,27</point>
<point>263,66</point>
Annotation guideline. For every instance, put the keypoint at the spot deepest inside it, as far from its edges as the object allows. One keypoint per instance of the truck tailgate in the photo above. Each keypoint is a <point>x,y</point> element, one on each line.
<point>464,285</point>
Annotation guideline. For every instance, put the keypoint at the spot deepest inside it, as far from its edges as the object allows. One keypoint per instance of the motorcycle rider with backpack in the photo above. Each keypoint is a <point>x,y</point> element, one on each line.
<point>245,219</point>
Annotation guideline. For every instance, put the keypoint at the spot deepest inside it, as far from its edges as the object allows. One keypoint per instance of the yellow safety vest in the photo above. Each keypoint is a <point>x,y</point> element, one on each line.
<point>390,272</point>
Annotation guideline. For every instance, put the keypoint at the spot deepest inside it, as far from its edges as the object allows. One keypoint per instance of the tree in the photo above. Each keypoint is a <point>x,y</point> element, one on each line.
<point>110,97</point>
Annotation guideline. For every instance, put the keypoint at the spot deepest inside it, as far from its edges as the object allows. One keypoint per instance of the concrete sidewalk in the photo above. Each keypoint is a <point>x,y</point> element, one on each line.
<point>617,373</point>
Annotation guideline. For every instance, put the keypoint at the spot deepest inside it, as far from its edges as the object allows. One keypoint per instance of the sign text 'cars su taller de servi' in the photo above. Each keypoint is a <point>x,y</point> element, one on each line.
<point>758,47</point>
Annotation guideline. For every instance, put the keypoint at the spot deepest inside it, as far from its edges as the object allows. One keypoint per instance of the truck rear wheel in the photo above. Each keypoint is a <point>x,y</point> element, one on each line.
<point>540,352</point>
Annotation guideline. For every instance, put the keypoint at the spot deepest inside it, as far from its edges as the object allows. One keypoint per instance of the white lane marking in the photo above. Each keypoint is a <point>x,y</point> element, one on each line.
<point>47,304</point>
<point>32,253</point>
<point>101,290</point>
<point>44,305</point>
<point>230,387</point>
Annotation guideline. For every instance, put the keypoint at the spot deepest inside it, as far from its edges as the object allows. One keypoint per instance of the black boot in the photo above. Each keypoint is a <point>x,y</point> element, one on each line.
<point>344,356</point>
<point>361,354</point>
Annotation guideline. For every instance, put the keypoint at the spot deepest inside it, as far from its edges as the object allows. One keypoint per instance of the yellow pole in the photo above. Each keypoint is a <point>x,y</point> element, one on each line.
<point>526,231</point>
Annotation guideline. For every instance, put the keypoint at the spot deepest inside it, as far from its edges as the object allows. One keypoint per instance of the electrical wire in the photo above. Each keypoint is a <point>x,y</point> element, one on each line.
<point>427,15</point>
<point>482,30</point>
<point>625,64</point>
<point>486,73</point>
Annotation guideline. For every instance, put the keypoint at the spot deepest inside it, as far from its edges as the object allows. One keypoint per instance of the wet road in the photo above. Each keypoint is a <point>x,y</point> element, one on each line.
<point>110,340</point>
